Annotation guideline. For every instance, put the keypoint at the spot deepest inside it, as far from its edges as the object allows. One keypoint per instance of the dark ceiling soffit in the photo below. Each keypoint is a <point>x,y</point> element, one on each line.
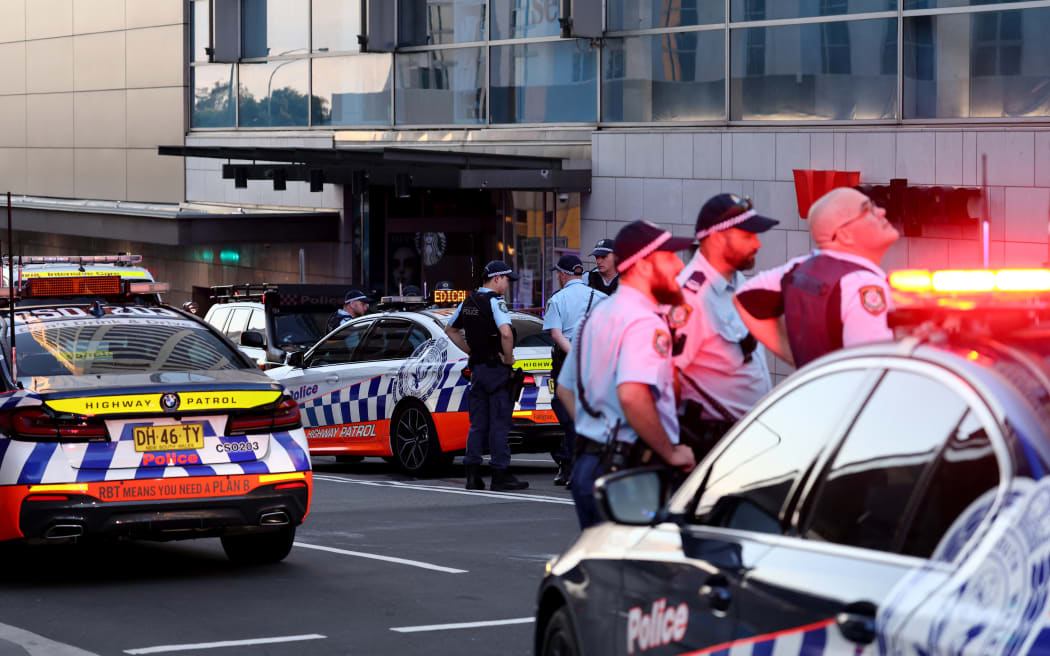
<point>258,228</point>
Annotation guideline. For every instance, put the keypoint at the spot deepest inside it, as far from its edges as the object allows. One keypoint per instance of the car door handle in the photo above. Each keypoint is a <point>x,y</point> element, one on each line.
<point>856,622</point>
<point>331,379</point>
<point>716,591</point>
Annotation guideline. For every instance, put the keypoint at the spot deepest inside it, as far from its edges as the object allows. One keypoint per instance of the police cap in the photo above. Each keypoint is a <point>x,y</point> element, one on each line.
<point>639,239</point>
<point>569,264</point>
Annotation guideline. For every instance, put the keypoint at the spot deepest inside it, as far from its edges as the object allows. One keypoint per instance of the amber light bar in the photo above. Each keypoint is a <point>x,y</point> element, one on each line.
<point>78,259</point>
<point>85,286</point>
<point>963,281</point>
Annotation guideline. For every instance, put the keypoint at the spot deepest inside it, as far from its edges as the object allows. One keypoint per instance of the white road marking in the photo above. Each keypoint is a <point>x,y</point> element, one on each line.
<point>38,645</point>
<point>160,649</point>
<point>389,559</point>
<point>462,625</point>
<point>506,496</point>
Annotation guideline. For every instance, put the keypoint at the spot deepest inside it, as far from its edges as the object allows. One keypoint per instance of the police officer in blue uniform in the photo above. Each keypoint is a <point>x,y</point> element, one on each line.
<point>604,277</point>
<point>355,304</point>
<point>481,327</point>
<point>620,379</point>
<point>565,310</point>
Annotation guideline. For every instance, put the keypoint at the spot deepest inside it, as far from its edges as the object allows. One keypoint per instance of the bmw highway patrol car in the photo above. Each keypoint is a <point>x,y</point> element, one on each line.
<point>892,498</point>
<point>393,385</point>
<point>126,418</point>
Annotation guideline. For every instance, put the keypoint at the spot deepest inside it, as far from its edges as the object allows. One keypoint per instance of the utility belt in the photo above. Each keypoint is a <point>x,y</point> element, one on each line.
<point>617,455</point>
<point>698,433</point>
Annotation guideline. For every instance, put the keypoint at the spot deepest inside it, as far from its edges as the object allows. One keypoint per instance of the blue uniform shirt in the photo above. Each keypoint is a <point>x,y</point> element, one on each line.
<point>566,308</point>
<point>499,309</point>
<point>625,341</point>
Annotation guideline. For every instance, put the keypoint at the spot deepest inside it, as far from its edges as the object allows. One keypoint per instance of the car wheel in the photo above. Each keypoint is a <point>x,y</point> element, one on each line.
<point>414,441</point>
<point>349,460</point>
<point>558,638</point>
<point>259,548</point>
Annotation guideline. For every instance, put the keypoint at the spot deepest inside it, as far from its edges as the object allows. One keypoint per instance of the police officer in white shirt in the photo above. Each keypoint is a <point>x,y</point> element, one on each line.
<point>619,380</point>
<point>834,297</point>
<point>565,310</point>
<point>722,368</point>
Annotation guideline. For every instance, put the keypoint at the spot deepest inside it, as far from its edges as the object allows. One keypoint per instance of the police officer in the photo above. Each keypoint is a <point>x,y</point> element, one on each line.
<point>604,277</point>
<point>565,310</point>
<point>723,371</point>
<point>619,380</point>
<point>355,304</point>
<point>489,341</point>
<point>834,297</point>
<point>411,290</point>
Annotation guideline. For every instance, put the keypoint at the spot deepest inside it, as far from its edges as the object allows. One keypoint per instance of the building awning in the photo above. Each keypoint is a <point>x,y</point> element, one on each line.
<point>171,224</point>
<point>401,168</point>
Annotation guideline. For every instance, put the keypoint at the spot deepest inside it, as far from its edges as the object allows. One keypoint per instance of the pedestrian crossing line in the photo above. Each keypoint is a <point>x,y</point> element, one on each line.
<point>163,649</point>
<point>462,625</point>
<point>506,496</point>
<point>388,559</point>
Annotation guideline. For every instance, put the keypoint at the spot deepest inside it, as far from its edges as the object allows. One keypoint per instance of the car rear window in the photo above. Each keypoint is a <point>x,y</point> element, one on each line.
<point>529,332</point>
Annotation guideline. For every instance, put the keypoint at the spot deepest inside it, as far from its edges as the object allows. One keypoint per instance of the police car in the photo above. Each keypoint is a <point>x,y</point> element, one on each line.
<point>125,418</point>
<point>392,384</point>
<point>889,499</point>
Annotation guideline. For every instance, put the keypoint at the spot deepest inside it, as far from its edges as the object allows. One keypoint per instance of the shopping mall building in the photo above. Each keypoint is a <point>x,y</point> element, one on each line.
<point>410,141</point>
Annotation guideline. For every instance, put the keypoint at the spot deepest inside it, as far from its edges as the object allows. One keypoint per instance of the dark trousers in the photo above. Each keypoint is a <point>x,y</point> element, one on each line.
<point>587,468</point>
<point>489,406</point>
<point>567,448</point>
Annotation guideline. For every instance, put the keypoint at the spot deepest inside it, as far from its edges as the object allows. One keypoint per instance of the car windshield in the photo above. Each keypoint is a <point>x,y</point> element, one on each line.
<point>530,332</point>
<point>298,329</point>
<point>78,345</point>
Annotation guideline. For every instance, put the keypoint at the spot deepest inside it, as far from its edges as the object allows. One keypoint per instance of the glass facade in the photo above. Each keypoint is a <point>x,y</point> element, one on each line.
<point>503,62</point>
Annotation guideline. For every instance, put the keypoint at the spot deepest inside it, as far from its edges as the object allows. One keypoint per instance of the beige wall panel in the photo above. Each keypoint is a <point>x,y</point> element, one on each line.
<point>97,16</point>
<point>155,117</point>
<point>150,13</point>
<point>99,119</point>
<point>13,68</point>
<point>13,170</point>
<point>100,173</point>
<point>12,20</point>
<point>49,120</point>
<point>12,121</point>
<point>49,65</point>
<point>50,172</point>
<point>155,57</point>
<point>48,18</point>
<point>152,177</point>
<point>98,61</point>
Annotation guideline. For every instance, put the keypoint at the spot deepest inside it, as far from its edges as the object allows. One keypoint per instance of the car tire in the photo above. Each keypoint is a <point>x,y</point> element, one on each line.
<point>259,548</point>
<point>558,636</point>
<point>414,441</point>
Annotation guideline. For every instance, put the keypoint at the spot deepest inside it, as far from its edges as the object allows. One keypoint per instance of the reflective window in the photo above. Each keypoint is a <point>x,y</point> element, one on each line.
<point>273,93</point>
<point>336,25</point>
<point>865,499</point>
<point>932,4</point>
<point>432,22</point>
<point>750,480</point>
<point>217,317</point>
<point>747,10</point>
<point>664,77</point>
<point>238,319</point>
<point>257,322</point>
<point>982,65</point>
<point>544,83</point>
<point>645,14</point>
<point>416,338</point>
<point>352,90</point>
<point>274,28</point>
<point>838,70</point>
<point>199,28</point>
<point>441,87</point>
<point>339,348</point>
<point>387,342</point>
<point>516,19</point>
<point>214,103</point>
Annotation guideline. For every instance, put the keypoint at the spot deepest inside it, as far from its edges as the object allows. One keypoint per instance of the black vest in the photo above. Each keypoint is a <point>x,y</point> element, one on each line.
<point>813,306</point>
<point>479,324</point>
<point>594,281</point>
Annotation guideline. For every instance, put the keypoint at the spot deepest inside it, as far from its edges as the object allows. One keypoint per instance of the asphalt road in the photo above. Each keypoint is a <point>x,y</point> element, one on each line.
<point>384,564</point>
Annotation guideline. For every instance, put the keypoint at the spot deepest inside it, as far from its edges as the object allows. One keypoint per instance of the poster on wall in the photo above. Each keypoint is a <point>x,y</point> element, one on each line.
<point>404,263</point>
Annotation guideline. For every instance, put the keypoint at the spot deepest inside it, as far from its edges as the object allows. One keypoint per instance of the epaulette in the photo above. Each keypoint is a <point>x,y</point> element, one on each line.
<point>695,281</point>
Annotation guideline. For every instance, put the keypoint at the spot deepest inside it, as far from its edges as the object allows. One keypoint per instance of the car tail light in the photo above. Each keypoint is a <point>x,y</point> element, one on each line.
<point>287,486</point>
<point>38,425</point>
<point>284,415</point>
<point>529,381</point>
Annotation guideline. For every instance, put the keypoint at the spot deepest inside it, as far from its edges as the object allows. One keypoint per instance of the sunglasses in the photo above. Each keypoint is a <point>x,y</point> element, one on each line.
<point>742,205</point>
<point>866,208</point>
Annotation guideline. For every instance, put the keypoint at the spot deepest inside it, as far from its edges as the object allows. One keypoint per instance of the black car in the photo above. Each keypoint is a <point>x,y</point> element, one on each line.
<point>890,498</point>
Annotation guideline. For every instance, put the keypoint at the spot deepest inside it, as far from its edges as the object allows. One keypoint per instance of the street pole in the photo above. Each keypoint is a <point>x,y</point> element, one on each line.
<point>11,284</point>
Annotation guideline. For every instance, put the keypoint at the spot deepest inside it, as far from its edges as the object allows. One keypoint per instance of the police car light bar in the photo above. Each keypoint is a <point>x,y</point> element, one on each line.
<point>971,281</point>
<point>148,287</point>
<point>78,259</point>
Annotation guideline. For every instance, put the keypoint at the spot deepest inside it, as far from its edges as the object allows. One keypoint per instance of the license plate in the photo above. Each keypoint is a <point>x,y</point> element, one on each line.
<point>550,384</point>
<point>169,438</point>
<point>544,416</point>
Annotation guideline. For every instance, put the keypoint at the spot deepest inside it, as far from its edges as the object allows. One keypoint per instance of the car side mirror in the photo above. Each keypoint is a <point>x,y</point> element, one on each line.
<point>295,359</point>
<point>634,497</point>
<point>253,338</point>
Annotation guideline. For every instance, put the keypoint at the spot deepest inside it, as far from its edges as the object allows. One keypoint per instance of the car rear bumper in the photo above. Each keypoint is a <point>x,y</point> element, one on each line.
<point>528,436</point>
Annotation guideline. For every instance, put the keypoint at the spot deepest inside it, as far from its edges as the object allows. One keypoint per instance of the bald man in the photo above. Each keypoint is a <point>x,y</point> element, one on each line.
<point>834,297</point>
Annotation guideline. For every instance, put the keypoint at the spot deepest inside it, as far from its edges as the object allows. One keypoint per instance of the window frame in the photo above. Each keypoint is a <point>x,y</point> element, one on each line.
<point>371,322</point>
<point>391,321</point>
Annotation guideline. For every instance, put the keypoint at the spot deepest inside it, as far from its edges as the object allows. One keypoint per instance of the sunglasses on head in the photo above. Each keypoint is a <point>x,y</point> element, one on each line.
<point>741,206</point>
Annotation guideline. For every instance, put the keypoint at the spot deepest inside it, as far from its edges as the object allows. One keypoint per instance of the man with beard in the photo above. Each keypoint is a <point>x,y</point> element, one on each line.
<point>834,297</point>
<point>722,370</point>
<point>618,380</point>
<point>603,277</point>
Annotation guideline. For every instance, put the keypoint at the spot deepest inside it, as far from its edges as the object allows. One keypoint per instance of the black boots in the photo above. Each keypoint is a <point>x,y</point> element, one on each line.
<point>474,480</point>
<point>564,473</point>
<point>504,481</point>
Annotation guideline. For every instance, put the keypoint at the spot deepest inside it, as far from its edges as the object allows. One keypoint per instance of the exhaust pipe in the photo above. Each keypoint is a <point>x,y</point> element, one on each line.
<point>274,519</point>
<point>64,532</point>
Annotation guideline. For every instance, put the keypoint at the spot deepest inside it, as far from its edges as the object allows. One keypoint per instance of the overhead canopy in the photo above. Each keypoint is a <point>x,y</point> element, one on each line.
<point>402,168</point>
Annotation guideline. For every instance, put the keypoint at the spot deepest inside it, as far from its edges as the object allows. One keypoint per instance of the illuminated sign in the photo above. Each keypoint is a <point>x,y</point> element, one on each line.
<point>449,296</point>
